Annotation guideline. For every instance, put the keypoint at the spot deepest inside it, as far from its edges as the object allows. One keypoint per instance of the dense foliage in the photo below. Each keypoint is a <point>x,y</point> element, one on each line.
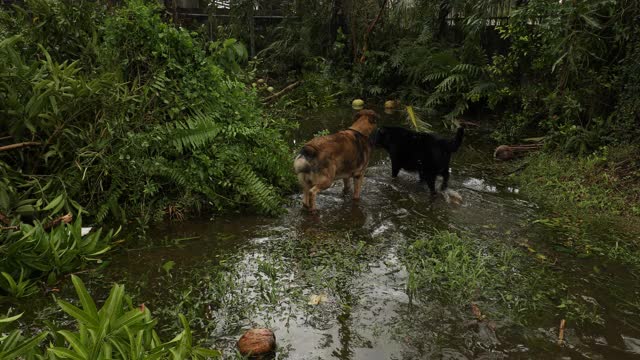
<point>566,69</point>
<point>128,116</point>
<point>118,116</point>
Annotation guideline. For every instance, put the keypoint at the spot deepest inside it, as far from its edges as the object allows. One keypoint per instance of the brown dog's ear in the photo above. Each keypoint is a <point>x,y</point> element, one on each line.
<point>374,118</point>
<point>357,115</point>
<point>371,115</point>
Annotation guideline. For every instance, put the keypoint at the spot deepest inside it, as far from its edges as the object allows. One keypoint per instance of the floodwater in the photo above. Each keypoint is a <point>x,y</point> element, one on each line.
<point>334,285</point>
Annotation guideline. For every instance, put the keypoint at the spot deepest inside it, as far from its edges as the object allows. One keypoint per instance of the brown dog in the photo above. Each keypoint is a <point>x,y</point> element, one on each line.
<point>343,155</point>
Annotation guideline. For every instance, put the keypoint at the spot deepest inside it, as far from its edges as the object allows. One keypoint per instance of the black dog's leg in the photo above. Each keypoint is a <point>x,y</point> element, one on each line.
<point>431,182</point>
<point>445,180</point>
<point>395,169</point>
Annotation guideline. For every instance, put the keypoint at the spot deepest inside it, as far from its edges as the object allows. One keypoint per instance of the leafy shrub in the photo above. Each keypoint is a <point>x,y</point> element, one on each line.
<point>109,114</point>
<point>118,330</point>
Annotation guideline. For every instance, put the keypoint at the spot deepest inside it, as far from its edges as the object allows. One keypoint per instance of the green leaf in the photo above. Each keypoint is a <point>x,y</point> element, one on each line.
<point>54,203</point>
<point>128,319</point>
<point>74,341</point>
<point>168,266</point>
<point>85,299</point>
<point>25,347</point>
<point>78,314</point>
<point>66,353</point>
<point>10,319</point>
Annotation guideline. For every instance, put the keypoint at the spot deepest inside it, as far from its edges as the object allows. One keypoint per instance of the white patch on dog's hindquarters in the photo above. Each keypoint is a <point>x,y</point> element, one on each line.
<point>301,165</point>
<point>452,197</point>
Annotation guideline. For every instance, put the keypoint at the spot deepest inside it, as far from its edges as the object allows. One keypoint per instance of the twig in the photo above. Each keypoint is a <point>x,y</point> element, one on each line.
<point>370,29</point>
<point>19,145</point>
<point>561,332</point>
<point>286,89</point>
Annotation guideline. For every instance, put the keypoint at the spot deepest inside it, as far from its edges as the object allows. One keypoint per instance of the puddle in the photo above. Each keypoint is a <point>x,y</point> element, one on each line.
<point>235,272</point>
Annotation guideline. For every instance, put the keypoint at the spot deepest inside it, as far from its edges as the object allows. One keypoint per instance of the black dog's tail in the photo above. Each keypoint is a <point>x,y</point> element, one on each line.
<point>454,144</point>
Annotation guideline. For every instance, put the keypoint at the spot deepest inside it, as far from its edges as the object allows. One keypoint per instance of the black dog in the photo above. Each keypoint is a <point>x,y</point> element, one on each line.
<point>427,154</point>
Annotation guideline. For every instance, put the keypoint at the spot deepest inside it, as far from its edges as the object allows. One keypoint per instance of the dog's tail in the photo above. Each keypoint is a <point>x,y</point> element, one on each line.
<point>301,163</point>
<point>454,144</point>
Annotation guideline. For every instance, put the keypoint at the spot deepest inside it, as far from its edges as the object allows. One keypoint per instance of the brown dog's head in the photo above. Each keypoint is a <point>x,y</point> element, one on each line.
<point>365,121</point>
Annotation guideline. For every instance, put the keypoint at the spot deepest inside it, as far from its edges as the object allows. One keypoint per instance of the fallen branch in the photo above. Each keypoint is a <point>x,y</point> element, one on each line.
<point>509,152</point>
<point>469,123</point>
<point>53,223</point>
<point>279,93</point>
<point>19,145</point>
<point>365,47</point>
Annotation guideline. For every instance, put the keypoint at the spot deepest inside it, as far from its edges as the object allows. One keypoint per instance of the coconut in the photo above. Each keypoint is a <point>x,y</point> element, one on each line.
<point>389,104</point>
<point>254,84</point>
<point>357,104</point>
<point>270,89</point>
<point>257,342</point>
<point>260,81</point>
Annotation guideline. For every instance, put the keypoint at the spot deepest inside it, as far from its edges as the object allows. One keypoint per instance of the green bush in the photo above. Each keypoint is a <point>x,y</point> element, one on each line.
<point>136,118</point>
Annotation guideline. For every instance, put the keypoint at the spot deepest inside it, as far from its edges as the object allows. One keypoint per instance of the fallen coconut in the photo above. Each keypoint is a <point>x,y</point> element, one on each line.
<point>270,89</point>
<point>389,104</point>
<point>260,81</point>
<point>257,342</point>
<point>357,104</point>
<point>254,84</point>
<point>504,153</point>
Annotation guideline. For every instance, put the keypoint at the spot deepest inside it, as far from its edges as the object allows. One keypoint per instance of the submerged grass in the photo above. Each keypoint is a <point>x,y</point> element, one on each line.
<point>454,269</point>
<point>585,195</point>
<point>604,182</point>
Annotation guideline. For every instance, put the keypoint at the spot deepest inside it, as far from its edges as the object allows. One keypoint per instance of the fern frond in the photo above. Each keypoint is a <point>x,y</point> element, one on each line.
<point>261,194</point>
<point>196,132</point>
<point>469,69</point>
<point>437,76</point>
<point>448,83</point>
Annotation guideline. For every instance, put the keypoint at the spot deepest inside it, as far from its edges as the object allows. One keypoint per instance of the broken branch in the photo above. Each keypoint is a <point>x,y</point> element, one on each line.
<point>53,223</point>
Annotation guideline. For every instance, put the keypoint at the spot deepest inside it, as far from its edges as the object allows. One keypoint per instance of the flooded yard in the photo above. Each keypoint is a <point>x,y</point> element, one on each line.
<point>396,275</point>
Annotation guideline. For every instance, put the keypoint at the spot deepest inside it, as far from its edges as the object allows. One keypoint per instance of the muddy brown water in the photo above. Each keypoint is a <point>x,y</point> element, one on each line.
<point>235,272</point>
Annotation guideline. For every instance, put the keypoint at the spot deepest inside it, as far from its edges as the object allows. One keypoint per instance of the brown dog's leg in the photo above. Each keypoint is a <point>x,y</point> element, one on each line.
<point>305,197</point>
<point>357,181</point>
<point>315,190</point>
<point>347,186</point>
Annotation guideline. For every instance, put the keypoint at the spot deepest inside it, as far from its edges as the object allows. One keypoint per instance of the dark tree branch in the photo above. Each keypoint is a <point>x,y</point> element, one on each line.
<point>370,29</point>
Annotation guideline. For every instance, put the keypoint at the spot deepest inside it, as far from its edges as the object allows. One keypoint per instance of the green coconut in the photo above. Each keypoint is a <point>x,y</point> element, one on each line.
<point>357,103</point>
